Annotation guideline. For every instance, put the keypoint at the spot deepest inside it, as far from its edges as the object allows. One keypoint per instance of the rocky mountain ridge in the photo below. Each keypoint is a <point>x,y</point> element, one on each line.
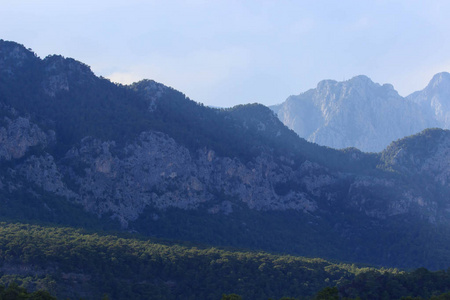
<point>144,158</point>
<point>435,98</point>
<point>363,114</point>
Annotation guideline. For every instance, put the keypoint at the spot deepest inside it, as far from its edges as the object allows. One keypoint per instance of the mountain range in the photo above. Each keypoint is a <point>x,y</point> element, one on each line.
<point>363,114</point>
<point>79,150</point>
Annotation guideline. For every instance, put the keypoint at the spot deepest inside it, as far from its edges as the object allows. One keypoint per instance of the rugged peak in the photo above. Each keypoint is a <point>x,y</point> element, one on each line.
<point>363,83</point>
<point>388,86</point>
<point>435,98</point>
<point>439,80</point>
<point>438,86</point>
<point>325,84</point>
<point>360,79</point>
<point>358,88</point>
<point>353,113</point>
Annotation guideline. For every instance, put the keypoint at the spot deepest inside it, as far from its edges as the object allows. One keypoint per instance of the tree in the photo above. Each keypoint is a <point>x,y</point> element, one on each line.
<point>328,293</point>
<point>231,297</point>
<point>41,295</point>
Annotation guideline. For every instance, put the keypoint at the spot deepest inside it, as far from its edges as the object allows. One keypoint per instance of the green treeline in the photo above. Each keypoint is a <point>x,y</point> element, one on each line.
<point>75,264</point>
<point>126,268</point>
<point>15,292</point>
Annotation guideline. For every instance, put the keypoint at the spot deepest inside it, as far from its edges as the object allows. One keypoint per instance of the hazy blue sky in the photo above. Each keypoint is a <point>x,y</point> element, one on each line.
<point>224,53</point>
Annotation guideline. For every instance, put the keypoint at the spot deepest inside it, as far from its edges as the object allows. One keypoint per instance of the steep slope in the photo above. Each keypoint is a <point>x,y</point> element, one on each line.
<point>435,98</point>
<point>355,113</point>
<point>77,149</point>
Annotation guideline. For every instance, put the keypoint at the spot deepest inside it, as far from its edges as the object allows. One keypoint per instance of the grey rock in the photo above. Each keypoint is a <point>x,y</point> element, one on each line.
<point>156,171</point>
<point>18,135</point>
<point>435,99</point>
<point>354,113</point>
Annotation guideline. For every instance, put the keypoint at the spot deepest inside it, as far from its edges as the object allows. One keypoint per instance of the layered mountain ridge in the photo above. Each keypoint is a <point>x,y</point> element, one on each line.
<point>79,150</point>
<point>363,114</point>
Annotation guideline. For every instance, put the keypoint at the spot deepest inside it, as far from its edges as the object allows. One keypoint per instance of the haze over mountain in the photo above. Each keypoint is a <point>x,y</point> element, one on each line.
<point>363,114</point>
<point>435,99</point>
<point>79,150</point>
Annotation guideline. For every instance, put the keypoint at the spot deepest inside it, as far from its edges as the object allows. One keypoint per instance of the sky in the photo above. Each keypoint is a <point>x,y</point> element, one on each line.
<point>224,53</point>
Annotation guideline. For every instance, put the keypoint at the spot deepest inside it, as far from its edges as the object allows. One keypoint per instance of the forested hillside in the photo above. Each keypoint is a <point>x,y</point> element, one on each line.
<point>75,263</point>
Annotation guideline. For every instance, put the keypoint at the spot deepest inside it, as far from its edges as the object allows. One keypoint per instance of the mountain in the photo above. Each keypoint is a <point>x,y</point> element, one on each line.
<point>354,113</point>
<point>435,98</point>
<point>79,150</point>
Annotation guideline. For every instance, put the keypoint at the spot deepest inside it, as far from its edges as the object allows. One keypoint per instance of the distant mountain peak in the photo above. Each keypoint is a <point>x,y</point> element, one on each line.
<point>353,113</point>
<point>435,98</point>
<point>361,82</point>
<point>361,79</point>
<point>325,83</point>
<point>438,80</point>
<point>357,80</point>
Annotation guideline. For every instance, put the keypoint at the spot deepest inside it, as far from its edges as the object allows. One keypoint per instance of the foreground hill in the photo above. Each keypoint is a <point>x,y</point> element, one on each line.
<point>72,263</point>
<point>79,150</point>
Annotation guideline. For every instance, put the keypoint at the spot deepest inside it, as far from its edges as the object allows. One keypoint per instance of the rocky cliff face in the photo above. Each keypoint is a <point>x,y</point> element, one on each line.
<point>18,135</point>
<point>155,171</point>
<point>359,113</point>
<point>435,99</point>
